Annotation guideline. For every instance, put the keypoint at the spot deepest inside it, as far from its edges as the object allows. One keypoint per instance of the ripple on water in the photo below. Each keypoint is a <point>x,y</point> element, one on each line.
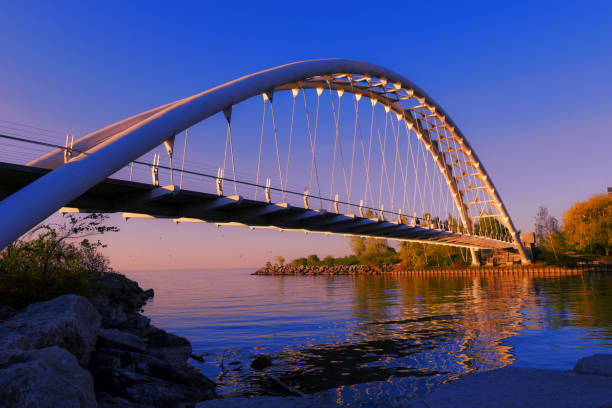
<point>360,337</point>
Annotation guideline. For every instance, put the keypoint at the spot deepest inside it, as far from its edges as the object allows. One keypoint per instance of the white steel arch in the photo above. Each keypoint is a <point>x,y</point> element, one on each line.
<point>111,148</point>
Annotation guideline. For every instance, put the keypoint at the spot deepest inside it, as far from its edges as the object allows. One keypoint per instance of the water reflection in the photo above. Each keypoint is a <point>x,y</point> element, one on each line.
<point>368,335</point>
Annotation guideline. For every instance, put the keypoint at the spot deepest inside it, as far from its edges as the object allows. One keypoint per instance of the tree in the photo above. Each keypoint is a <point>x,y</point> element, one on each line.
<point>547,235</point>
<point>313,260</point>
<point>588,225</point>
<point>545,224</point>
<point>53,259</point>
<point>329,260</point>
<point>280,260</point>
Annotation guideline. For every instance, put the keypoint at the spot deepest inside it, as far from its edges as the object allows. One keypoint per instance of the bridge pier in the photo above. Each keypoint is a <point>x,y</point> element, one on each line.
<point>475,260</point>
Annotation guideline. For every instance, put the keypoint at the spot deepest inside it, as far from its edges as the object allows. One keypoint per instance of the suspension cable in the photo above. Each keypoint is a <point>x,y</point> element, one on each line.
<point>263,120</point>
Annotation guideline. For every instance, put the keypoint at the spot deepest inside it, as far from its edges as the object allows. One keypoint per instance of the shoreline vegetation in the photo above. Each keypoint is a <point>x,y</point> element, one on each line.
<point>71,331</point>
<point>584,242</point>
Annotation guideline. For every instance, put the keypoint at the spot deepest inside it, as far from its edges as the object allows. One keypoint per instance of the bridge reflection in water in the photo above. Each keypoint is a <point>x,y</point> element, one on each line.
<point>369,336</point>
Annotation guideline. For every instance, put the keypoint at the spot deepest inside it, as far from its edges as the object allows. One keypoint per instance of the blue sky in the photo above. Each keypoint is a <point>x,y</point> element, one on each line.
<point>529,84</point>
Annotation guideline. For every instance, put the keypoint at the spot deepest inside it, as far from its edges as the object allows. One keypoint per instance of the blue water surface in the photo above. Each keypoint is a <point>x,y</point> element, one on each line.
<point>370,335</point>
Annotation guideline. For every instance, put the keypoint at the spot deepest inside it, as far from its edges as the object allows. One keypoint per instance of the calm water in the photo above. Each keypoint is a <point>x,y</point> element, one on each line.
<point>367,336</point>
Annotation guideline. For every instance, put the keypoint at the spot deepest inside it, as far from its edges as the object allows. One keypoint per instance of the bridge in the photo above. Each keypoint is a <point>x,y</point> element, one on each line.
<point>328,146</point>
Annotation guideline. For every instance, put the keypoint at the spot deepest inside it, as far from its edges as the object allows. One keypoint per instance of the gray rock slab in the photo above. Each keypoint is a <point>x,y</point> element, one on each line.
<point>46,378</point>
<point>524,387</point>
<point>117,339</point>
<point>325,399</point>
<point>165,394</point>
<point>599,364</point>
<point>68,321</point>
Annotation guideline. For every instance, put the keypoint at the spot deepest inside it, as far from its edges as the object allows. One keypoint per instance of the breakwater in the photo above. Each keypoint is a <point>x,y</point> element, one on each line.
<point>313,270</point>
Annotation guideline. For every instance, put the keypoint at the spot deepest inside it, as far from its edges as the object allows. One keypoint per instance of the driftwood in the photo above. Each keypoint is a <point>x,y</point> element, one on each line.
<point>286,387</point>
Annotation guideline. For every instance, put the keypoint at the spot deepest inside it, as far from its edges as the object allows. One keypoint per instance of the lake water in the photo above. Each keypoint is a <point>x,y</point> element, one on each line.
<point>367,336</point>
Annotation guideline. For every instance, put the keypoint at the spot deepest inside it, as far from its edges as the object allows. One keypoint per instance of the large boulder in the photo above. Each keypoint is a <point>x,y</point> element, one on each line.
<point>170,348</point>
<point>117,339</point>
<point>46,378</point>
<point>512,387</point>
<point>165,394</point>
<point>68,321</point>
<point>599,364</point>
<point>114,289</point>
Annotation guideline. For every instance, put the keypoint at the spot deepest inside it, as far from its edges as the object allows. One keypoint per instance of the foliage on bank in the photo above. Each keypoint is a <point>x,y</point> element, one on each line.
<point>52,260</point>
<point>585,235</point>
<point>377,252</point>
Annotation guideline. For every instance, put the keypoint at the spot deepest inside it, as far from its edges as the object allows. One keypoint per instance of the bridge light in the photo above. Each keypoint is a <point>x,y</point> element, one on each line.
<point>319,91</point>
<point>398,116</point>
<point>295,92</point>
<point>383,81</point>
<point>358,97</point>
<point>397,85</point>
<point>340,93</point>
<point>373,101</point>
<point>265,97</point>
<point>387,108</point>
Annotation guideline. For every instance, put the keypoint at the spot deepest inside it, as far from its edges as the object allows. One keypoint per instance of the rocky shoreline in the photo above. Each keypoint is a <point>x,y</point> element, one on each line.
<point>329,270</point>
<point>98,352</point>
<point>303,270</point>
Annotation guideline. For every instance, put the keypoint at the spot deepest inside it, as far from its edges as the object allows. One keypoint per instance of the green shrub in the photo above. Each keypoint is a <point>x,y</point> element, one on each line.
<point>52,260</point>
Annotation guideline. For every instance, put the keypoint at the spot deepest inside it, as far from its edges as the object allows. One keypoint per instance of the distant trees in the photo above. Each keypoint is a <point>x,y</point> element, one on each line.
<point>588,225</point>
<point>313,260</point>
<point>545,224</point>
<point>280,260</point>
<point>374,252</point>
<point>549,239</point>
<point>490,226</point>
<point>416,255</point>
<point>586,233</point>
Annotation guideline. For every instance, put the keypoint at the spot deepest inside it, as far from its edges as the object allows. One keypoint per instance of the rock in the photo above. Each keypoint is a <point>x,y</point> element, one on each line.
<point>114,289</point>
<point>599,364</point>
<point>112,316</point>
<point>7,312</point>
<point>68,321</point>
<point>102,365</point>
<point>108,401</point>
<point>154,367</point>
<point>197,357</point>
<point>165,394</point>
<point>261,361</point>
<point>523,387</point>
<point>45,378</point>
<point>170,348</point>
<point>117,339</point>
<point>136,323</point>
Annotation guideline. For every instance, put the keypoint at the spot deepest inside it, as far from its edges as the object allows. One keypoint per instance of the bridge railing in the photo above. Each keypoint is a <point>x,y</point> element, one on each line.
<point>24,145</point>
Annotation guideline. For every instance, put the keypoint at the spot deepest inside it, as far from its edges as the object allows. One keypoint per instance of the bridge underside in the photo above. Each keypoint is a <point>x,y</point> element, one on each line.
<point>139,200</point>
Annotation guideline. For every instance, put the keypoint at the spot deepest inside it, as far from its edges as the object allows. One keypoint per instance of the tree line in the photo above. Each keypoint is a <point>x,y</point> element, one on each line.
<point>584,235</point>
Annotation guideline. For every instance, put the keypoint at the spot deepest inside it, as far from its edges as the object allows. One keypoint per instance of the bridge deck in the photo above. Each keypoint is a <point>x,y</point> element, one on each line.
<point>140,200</point>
